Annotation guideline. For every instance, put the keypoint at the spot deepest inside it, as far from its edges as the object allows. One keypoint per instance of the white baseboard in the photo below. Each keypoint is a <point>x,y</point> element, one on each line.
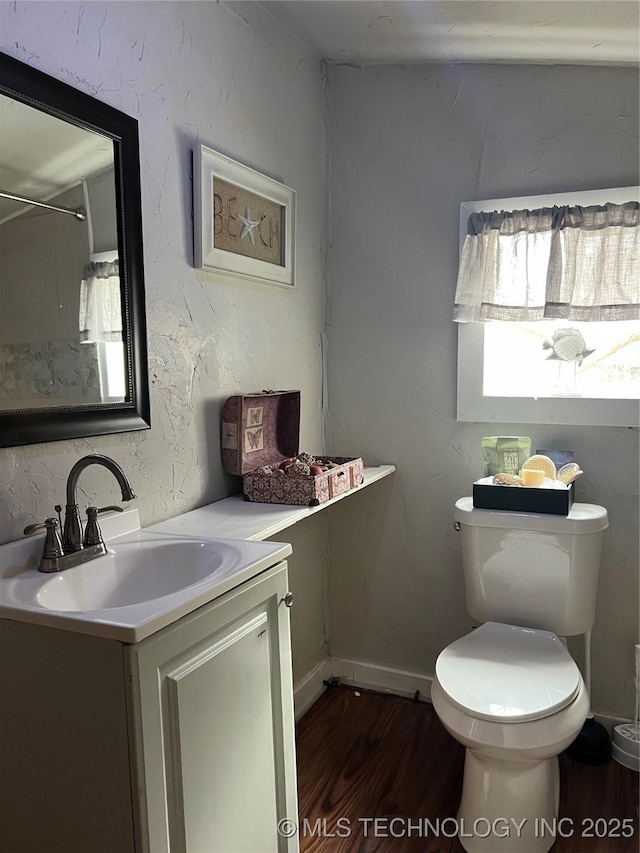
<point>609,721</point>
<point>369,676</point>
<point>384,679</point>
<point>309,689</point>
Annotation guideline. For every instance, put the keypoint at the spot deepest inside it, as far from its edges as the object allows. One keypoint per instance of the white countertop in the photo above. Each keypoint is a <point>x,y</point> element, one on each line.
<point>235,518</point>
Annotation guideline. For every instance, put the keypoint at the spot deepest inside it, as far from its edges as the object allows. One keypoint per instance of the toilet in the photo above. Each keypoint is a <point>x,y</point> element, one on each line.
<point>509,691</point>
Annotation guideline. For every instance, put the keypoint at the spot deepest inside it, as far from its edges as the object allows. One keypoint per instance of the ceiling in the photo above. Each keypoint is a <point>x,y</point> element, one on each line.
<point>41,155</point>
<point>575,32</point>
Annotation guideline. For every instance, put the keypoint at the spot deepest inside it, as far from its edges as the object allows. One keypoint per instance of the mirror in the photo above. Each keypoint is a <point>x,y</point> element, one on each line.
<point>73,356</point>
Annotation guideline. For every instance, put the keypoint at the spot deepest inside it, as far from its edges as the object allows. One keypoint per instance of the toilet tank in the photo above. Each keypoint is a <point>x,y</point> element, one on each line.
<point>537,571</point>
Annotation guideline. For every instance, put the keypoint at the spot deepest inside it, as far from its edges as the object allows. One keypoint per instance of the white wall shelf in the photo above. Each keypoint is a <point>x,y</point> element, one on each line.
<point>235,518</point>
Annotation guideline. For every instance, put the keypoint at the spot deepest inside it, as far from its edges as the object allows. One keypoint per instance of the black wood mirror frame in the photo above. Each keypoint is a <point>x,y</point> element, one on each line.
<point>30,426</point>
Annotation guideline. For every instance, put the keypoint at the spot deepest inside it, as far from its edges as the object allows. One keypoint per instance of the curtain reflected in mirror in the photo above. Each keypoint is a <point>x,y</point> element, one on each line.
<point>100,324</point>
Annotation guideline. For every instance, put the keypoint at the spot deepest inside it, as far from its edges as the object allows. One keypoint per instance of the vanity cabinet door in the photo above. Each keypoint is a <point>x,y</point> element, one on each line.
<point>212,714</point>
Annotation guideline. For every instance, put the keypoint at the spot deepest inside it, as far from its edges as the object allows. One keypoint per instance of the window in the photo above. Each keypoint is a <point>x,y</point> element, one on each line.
<point>100,323</point>
<point>548,371</point>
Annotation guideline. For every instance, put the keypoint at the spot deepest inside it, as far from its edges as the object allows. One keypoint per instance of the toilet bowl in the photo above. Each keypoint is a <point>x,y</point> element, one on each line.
<point>514,697</point>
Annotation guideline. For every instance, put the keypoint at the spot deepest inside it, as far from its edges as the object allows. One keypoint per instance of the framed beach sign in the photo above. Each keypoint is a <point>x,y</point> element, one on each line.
<point>244,222</point>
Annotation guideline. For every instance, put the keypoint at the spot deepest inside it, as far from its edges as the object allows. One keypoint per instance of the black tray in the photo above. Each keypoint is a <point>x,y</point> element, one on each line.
<point>523,499</point>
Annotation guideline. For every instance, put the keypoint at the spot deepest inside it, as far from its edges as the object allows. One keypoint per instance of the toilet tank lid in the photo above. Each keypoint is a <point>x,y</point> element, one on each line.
<point>582,518</point>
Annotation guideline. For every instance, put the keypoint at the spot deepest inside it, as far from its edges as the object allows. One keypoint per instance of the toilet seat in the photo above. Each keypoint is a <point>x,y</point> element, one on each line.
<point>508,674</point>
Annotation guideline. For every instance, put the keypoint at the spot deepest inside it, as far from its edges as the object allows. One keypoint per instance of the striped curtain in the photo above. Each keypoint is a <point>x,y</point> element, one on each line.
<point>571,262</point>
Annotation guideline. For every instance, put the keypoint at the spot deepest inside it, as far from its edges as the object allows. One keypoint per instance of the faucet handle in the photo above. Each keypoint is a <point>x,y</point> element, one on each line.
<point>48,523</point>
<point>52,543</point>
<point>92,532</point>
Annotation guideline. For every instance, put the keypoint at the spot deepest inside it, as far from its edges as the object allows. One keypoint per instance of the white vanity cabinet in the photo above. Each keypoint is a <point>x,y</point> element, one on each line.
<point>212,706</point>
<point>181,743</point>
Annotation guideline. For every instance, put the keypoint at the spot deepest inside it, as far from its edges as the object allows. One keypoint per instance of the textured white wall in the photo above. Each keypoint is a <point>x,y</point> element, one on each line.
<point>236,81</point>
<point>406,146</point>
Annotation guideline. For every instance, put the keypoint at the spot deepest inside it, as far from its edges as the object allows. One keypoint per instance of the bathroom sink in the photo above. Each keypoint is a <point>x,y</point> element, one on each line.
<point>132,573</point>
<point>146,581</point>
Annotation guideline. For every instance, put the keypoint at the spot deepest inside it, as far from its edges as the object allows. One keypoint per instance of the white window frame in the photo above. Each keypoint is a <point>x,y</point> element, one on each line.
<point>472,405</point>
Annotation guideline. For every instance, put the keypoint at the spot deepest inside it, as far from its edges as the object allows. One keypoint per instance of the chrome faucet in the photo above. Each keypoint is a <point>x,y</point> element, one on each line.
<point>72,550</point>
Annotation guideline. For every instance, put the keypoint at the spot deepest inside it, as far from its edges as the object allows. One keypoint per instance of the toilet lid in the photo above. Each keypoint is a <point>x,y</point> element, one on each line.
<point>506,673</point>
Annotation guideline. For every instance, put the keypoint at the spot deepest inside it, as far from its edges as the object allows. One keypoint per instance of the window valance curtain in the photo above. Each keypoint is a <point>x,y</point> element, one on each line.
<point>571,262</point>
<point>100,302</point>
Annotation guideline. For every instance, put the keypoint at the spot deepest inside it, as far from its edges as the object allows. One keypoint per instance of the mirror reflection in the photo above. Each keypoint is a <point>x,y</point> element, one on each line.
<point>61,318</point>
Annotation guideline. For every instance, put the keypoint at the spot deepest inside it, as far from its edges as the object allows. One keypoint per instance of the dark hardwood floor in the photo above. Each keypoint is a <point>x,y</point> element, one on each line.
<point>368,756</point>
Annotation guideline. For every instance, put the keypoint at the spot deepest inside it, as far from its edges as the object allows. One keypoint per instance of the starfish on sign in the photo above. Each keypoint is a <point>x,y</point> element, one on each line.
<point>248,224</point>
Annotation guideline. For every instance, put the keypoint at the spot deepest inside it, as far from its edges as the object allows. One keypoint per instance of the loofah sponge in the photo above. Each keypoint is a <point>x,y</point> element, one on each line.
<point>506,480</point>
<point>541,463</point>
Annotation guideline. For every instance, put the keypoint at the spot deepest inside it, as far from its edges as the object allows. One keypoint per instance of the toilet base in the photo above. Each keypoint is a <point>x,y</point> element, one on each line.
<point>508,806</point>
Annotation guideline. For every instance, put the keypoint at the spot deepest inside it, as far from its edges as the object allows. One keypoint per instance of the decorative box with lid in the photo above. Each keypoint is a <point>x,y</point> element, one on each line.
<point>260,435</point>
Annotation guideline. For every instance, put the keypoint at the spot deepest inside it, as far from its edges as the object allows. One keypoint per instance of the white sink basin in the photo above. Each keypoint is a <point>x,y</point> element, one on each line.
<point>134,572</point>
<point>145,582</point>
